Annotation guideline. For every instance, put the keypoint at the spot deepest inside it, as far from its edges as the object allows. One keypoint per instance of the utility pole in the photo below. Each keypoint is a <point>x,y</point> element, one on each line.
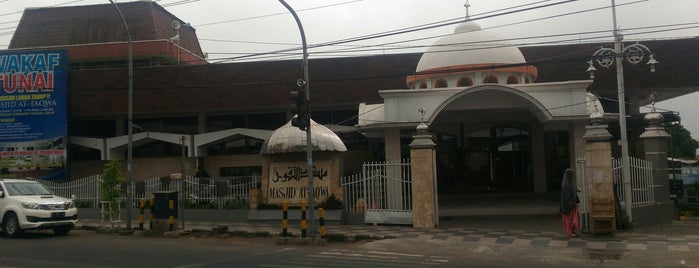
<point>129,161</point>
<point>625,169</point>
<point>605,57</point>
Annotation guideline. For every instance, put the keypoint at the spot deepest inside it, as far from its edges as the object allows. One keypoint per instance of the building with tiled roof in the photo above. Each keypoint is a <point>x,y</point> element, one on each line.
<point>95,35</point>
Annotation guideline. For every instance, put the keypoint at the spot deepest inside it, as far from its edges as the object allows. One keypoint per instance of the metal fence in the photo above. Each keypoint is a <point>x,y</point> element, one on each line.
<point>583,209</point>
<point>641,181</point>
<point>383,192</point>
<point>224,192</point>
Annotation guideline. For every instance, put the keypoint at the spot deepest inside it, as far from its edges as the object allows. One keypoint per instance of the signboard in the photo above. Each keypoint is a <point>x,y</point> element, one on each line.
<point>288,181</point>
<point>33,113</point>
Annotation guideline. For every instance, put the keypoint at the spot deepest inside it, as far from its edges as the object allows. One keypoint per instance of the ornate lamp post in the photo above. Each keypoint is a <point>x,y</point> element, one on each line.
<point>606,57</point>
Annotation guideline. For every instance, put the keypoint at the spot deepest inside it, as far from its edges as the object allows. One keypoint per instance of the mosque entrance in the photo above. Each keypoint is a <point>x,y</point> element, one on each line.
<point>496,159</point>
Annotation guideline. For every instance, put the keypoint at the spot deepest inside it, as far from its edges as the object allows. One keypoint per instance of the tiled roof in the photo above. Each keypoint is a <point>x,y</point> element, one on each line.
<point>74,25</point>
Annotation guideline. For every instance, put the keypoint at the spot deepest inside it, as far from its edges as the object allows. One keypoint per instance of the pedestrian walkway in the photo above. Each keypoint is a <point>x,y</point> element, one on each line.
<point>532,232</point>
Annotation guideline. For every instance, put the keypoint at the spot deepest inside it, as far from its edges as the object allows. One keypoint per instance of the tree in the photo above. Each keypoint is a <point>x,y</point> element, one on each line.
<point>111,181</point>
<point>682,145</point>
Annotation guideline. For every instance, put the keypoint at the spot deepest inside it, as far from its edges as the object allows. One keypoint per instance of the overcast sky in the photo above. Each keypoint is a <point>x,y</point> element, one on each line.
<point>235,28</point>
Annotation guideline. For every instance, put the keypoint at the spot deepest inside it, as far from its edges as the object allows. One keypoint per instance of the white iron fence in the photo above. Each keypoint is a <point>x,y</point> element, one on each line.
<point>383,192</point>
<point>583,209</point>
<point>226,192</point>
<point>641,181</point>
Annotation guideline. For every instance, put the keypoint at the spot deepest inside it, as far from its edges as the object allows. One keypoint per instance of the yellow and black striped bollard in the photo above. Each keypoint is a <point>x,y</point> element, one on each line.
<point>152,214</point>
<point>303,219</point>
<point>171,218</point>
<point>321,221</point>
<point>142,208</point>
<point>285,218</point>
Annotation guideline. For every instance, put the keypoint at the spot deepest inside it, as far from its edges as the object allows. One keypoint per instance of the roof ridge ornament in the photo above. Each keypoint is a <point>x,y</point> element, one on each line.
<point>467,5</point>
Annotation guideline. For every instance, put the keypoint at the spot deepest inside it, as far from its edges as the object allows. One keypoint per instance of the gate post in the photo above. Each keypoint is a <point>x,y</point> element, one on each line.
<point>599,177</point>
<point>423,170</point>
<point>655,143</point>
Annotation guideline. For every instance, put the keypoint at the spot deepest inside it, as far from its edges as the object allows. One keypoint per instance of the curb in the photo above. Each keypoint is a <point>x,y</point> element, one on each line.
<point>223,232</point>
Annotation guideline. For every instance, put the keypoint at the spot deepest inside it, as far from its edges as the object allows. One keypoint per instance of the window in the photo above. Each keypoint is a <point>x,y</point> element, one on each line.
<point>464,82</point>
<point>423,85</point>
<point>440,83</point>
<point>512,80</point>
<point>491,79</point>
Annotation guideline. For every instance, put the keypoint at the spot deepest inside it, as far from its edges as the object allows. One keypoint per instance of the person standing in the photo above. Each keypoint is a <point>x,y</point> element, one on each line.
<point>569,203</point>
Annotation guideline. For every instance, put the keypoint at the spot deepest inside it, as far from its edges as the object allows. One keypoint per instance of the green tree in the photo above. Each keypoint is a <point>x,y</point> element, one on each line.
<point>111,180</point>
<point>682,145</point>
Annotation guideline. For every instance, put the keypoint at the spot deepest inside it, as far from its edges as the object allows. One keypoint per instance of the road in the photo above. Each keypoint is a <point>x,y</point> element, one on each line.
<point>82,248</point>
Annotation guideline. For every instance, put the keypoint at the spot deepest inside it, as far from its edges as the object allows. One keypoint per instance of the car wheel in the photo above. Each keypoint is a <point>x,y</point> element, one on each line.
<point>62,230</point>
<point>11,226</point>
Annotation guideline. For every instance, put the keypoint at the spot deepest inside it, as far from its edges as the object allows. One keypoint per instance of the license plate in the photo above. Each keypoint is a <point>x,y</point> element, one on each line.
<point>58,214</point>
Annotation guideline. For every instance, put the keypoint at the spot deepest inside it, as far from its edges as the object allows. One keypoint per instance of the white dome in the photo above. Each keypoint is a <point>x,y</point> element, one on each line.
<point>288,139</point>
<point>467,46</point>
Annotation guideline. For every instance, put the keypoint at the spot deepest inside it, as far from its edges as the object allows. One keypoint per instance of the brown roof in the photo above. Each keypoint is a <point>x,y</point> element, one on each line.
<point>675,75</point>
<point>74,25</point>
<point>342,83</point>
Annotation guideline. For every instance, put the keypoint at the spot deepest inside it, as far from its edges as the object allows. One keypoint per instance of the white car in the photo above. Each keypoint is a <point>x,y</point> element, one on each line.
<point>27,205</point>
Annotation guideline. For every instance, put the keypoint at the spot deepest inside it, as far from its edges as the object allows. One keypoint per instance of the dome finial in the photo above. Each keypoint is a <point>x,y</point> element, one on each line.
<point>467,5</point>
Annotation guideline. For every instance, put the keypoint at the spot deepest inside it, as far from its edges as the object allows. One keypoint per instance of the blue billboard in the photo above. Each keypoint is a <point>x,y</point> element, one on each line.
<point>33,114</point>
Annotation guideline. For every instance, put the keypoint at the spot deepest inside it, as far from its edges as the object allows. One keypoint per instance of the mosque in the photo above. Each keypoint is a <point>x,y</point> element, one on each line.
<point>504,119</point>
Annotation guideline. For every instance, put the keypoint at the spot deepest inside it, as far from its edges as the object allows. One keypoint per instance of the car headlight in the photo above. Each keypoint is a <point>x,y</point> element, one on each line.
<point>28,205</point>
<point>70,204</point>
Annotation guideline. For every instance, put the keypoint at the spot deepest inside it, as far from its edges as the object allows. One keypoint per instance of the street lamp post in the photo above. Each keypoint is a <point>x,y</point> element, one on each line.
<point>309,145</point>
<point>607,57</point>
<point>129,161</point>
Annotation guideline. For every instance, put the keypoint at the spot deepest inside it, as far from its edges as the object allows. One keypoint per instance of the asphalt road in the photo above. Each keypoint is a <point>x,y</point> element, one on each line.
<point>83,248</point>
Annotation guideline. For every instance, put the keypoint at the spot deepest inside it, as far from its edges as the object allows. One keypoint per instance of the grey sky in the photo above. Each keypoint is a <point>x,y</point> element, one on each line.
<point>253,27</point>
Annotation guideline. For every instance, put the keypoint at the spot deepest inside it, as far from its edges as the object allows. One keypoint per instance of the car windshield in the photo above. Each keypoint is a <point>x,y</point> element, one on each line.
<point>26,188</point>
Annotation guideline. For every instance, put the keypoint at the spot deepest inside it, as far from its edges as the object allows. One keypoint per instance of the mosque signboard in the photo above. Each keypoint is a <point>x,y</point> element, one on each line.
<point>288,181</point>
<point>33,113</point>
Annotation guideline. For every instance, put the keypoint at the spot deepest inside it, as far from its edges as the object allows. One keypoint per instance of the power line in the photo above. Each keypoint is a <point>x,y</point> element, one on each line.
<point>405,30</point>
<point>275,14</point>
<point>483,44</point>
<point>359,48</point>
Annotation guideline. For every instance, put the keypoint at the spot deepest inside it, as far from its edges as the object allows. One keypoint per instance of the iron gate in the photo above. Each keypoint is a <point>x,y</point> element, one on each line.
<point>382,192</point>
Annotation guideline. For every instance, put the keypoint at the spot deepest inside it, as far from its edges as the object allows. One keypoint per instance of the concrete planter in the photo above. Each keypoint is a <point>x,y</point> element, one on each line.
<point>276,214</point>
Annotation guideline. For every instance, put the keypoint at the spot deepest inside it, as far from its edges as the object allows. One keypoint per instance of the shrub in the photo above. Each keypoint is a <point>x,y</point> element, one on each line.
<point>111,181</point>
<point>332,202</point>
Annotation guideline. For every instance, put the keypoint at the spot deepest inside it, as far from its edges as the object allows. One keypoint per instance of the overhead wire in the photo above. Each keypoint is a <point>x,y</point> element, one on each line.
<point>275,14</point>
<point>402,31</point>
<point>482,44</point>
<point>516,23</point>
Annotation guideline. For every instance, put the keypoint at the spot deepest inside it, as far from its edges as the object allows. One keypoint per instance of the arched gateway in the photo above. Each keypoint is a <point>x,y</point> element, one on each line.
<point>495,130</point>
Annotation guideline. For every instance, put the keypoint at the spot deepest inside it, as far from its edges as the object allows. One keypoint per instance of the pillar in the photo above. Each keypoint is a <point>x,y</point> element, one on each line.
<point>655,140</point>
<point>538,157</point>
<point>392,144</point>
<point>394,188</point>
<point>599,177</point>
<point>424,180</point>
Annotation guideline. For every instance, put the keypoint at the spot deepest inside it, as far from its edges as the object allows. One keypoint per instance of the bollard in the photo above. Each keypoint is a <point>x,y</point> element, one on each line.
<point>152,214</point>
<point>142,207</point>
<point>171,218</point>
<point>321,220</point>
<point>285,218</point>
<point>303,219</point>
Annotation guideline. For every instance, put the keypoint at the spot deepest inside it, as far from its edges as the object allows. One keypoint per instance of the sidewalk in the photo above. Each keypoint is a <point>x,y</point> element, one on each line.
<point>543,231</point>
